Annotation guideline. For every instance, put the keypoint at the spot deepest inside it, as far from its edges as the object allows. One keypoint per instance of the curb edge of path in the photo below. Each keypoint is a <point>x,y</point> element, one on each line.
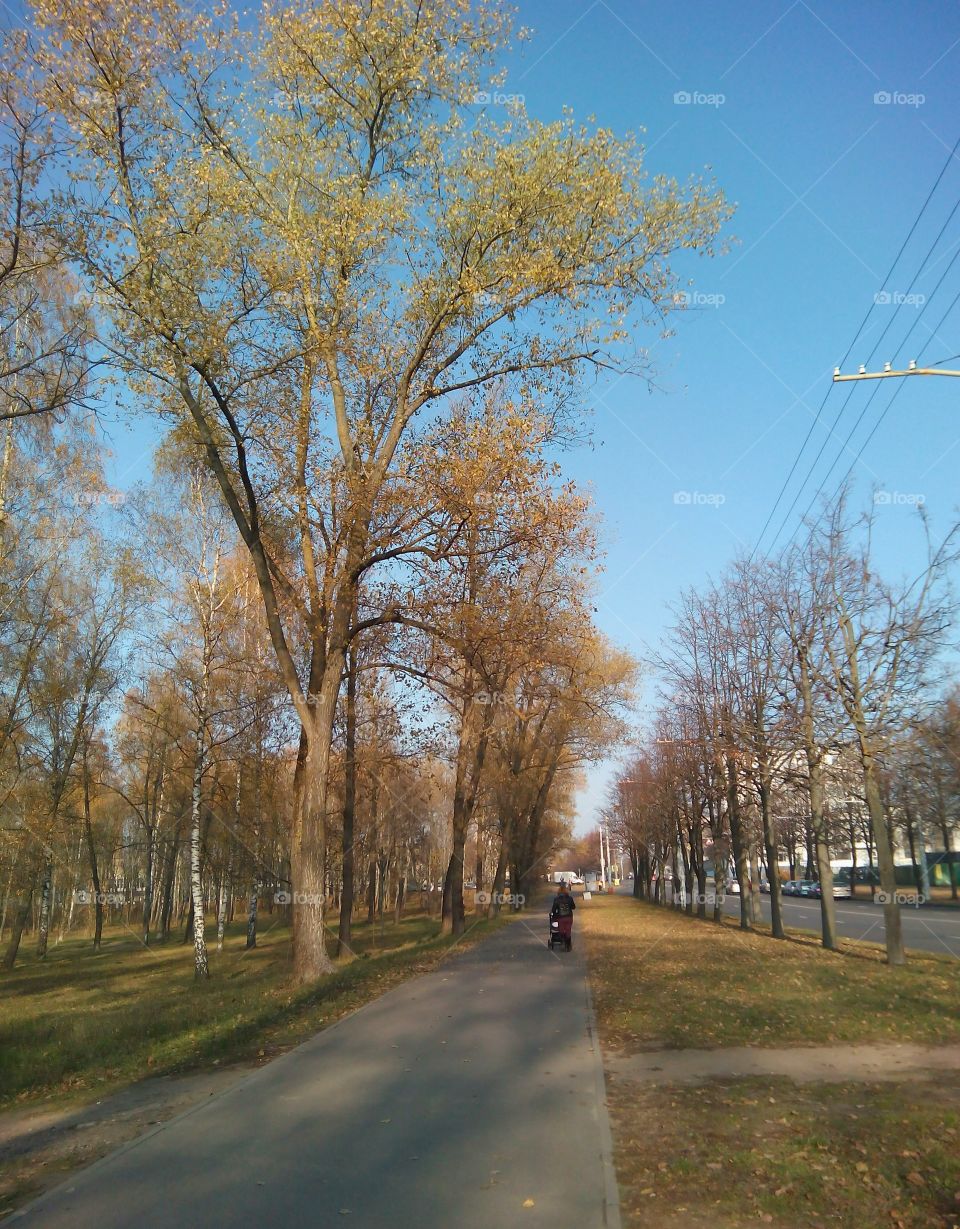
<point>611,1192</point>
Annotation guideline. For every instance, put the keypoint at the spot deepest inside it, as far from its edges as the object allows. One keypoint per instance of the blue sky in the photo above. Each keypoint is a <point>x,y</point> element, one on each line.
<point>827,125</point>
<point>788,111</point>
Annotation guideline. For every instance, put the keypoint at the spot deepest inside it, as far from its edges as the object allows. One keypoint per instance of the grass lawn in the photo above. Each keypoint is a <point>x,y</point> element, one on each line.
<point>768,1151</point>
<point>81,1022</point>
<point>660,978</point>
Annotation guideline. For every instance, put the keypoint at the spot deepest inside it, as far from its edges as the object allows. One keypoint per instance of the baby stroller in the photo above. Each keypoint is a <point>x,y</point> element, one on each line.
<point>561,932</point>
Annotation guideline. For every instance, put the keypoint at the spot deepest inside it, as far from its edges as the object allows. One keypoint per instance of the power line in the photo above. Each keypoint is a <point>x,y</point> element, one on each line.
<point>836,422</point>
<point>876,425</point>
<point>876,389</point>
<point>856,338</point>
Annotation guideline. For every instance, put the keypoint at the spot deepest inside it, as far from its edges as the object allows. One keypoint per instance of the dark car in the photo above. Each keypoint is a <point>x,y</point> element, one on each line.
<point>800,887</point>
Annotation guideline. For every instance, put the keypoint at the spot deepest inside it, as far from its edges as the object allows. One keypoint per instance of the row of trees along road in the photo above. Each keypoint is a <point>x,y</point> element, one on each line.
<point>361,307</point>
<point>802,705</point>
<point>150,746</point>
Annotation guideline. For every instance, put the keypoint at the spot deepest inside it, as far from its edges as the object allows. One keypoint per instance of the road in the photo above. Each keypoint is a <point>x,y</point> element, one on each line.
<point>928,928</point>
<point>469,1097</point>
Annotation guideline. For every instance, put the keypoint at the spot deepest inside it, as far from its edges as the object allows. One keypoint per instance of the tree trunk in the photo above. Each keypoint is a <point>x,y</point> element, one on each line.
<point>738,843</point>
<point>43,925</point>
<point>810,849</point>
<point>20,921</point>
<point>682,869</point>
<point>401,892</point>
<point>945,832</point>
<point>66,911</point>
<point>698,862</point>
<point>881,838</point>
<point>254,901</point>
<point>912,843</point>
<point>201,968</point>
<point>818,826</point>
<point>675,874</point>
<point>453,917</point>
<point>148,881</point>
<point>383,872</point>
<point>169,881</point>
<point>308,851</point>
<point>754,888</point>
<point>526,885</point>
<point>500,874</point>
<point>372,890</point>
<point>8,889</point>
<point>478,868</point>
<point>471,753</point>
<point>720,871</point>
<point>773,862</point>
<point>225,893</point>
<point>252,914</point>
<point>344,932</point>
<point>92,854</point>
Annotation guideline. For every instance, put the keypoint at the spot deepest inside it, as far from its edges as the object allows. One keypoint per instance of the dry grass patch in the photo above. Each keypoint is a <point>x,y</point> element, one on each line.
<point>733,1153</point>
<point>766,1152</point>
<point>661,978</point>
<point>81,1022</point>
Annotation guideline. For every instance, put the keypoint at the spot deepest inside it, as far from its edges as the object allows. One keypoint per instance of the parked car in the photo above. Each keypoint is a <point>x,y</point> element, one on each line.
<point>733,887</point>
<point>765,884</point>
<point>800,887</point>
<point>841,891</point>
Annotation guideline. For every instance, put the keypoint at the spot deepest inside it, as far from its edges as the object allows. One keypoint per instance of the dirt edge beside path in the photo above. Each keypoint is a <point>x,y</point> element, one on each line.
<point>802,1064</point>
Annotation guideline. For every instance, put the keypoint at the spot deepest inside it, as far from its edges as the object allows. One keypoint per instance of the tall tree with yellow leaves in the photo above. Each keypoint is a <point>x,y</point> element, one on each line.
<point>305,236</point>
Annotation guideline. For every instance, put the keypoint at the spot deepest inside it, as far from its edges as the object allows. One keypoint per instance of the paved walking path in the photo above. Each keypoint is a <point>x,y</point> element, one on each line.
<point>470,1097</point>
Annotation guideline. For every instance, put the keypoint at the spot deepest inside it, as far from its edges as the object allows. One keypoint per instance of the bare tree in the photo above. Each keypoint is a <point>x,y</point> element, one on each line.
<point>879,643</point>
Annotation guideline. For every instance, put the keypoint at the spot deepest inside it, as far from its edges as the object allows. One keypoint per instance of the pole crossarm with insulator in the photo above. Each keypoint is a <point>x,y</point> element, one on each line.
<point>888,371</point>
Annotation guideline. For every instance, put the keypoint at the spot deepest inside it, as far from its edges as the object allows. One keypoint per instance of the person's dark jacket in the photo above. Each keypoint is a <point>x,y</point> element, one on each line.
<point>563,905</point>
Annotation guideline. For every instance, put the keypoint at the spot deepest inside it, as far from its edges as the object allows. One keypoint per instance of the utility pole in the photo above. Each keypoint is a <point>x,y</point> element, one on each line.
<point>603,863</point>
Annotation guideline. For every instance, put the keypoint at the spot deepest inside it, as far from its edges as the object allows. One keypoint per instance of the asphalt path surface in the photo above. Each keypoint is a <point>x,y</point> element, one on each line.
<point>470,1097</point>
<point>928,928</point>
